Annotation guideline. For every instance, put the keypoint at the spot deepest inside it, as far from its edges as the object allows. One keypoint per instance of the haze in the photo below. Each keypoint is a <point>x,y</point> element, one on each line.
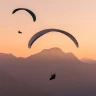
<point>75,16</point>
<point>30,76</point>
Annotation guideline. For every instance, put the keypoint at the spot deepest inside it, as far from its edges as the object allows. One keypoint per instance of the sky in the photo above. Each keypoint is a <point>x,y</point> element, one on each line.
<point>77,17</point>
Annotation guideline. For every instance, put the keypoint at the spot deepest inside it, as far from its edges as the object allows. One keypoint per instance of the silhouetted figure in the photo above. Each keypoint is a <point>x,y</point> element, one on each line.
<point>52,76</point>
<point>19,32</point>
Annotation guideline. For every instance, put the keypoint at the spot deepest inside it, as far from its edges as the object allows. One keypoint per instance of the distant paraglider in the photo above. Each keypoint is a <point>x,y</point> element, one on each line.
<point>29,11</point>
<point>53,76</point>
<point>42,32</point>
<point>19,32</point>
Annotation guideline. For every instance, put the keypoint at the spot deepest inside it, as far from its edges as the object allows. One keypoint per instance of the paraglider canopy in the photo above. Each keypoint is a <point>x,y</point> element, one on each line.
<point>42,32</point>
<point>29,11</point>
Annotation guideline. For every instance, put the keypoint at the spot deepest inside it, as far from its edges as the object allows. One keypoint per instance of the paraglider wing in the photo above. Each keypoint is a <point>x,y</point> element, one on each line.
<point>29,11</point>
<point>42,32</point>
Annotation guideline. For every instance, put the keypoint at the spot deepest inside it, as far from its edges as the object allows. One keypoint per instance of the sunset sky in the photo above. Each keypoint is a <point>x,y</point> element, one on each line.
<point>77,17</point>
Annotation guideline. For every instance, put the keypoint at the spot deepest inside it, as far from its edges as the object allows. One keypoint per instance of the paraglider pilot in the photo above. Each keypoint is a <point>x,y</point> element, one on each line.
<point>53,76</point>
<point>19,32</point>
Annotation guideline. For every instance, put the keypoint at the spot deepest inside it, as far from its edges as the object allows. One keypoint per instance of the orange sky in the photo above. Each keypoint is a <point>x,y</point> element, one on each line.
<point>75,16</point>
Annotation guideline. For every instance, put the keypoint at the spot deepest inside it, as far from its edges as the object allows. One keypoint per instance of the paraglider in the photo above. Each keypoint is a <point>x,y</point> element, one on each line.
<point>29,11</point>
<point>53,77</point>
<point>19,32</point>
<point>42,32</point>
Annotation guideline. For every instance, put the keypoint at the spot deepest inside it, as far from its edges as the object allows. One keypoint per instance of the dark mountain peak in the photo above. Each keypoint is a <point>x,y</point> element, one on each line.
<point>54,50</point>
<point>58,52</point>
<point>48,54</point>
<point>54,53</point>
<point>6,56</point>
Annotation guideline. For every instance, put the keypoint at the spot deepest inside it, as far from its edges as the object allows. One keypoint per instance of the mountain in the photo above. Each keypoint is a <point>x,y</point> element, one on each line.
<point>9,86</point>
<point>73,77</point>
<point>88,60</point>
<point>54,54</point>
<point>7,56</point>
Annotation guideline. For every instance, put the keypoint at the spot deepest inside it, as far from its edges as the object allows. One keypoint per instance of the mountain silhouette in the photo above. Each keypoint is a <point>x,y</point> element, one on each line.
<point>54,53</point>
<point>88,60</point>
<point>73,77</point>
<point>9,86</point>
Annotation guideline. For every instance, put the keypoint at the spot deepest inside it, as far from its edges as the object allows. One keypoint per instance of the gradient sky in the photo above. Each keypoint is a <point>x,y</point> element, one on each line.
<point>75,16</point>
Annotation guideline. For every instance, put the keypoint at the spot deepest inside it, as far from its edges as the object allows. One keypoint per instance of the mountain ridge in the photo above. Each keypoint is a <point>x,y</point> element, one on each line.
<point>88,60</point>
<point>46,53</point>
<point>73,78</point>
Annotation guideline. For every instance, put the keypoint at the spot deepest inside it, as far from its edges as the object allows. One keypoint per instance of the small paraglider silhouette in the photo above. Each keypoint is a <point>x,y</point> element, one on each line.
<point>53,76</point>
<point>19,32</point>
<point>29,11</point>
